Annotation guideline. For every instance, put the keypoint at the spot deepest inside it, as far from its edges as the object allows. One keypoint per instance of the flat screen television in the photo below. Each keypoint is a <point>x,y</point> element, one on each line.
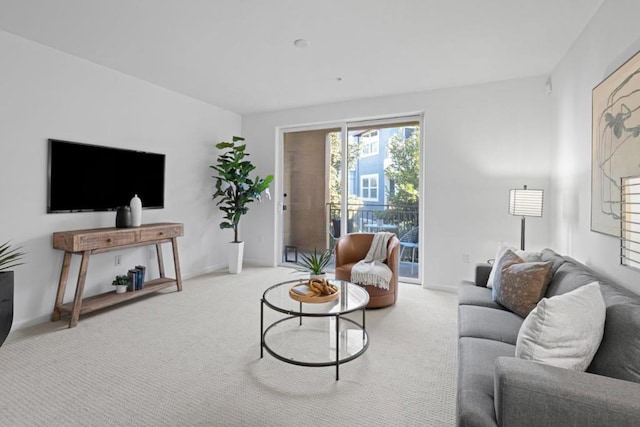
<point>86,178</point>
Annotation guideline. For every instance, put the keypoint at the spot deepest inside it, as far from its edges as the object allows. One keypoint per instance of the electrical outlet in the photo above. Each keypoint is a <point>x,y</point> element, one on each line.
<point>118,260</point>
<point>466,258</point>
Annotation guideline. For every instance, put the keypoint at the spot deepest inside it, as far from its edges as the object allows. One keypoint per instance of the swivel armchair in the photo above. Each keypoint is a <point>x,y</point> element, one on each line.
<point>353,247</point>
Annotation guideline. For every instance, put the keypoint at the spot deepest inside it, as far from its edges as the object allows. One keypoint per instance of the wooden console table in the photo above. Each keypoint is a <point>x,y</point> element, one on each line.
<point>93,241</point>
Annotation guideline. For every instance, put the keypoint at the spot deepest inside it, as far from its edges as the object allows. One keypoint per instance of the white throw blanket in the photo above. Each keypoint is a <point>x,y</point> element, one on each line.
<point>372,270</point>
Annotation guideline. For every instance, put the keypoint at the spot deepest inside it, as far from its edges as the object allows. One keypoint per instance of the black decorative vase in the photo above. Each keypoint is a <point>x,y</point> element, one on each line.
<point>123,217</point>
<point>6,304</point>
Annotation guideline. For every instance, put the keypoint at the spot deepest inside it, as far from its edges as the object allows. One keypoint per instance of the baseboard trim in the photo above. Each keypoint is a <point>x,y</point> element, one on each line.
<point>443,288</point>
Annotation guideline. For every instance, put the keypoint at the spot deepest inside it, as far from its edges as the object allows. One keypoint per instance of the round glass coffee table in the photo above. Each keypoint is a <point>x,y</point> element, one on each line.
<point>314,334</point>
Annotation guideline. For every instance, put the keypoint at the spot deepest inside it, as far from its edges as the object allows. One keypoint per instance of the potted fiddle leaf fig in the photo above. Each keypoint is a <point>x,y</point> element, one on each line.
<point>236,187</point>
<point>9,258</point>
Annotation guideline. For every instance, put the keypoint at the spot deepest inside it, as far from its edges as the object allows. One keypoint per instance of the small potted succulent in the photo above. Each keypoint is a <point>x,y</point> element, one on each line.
<point>121,283</point>
<point>314,263</point>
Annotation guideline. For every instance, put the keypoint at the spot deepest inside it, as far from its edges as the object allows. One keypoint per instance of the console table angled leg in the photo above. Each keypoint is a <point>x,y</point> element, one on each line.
<point>62,286</point>
<point>160,259</point>
<point>176,263</point>
<point>77,301</point>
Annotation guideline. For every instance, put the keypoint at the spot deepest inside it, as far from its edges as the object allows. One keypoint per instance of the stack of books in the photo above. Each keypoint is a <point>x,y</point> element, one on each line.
<point>137,278</point>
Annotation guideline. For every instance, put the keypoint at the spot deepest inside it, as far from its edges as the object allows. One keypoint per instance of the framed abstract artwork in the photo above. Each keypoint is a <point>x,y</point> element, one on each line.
<point>615,143</point>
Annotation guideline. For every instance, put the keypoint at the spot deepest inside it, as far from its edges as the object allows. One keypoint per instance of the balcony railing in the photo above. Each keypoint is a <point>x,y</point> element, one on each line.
<point>370,218</point>
<point>401,220</point>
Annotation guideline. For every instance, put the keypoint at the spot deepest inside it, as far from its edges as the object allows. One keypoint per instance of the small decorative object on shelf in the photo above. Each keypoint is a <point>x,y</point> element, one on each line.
<point>121,283</point>
<point>136,275</point>
<point>123,217</point>
<point>140,269</point>
<point>136,211</point>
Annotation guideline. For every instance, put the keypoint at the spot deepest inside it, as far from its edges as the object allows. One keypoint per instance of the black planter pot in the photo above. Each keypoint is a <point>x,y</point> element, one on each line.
<point>6,304</point>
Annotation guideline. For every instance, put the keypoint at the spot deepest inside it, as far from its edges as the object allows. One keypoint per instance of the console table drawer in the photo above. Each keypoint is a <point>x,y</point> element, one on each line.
<point>163,233</point>
<point>86,240</point>
<point>89,242</point>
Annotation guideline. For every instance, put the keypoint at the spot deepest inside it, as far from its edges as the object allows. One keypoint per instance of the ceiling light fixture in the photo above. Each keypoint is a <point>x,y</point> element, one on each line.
<point>301,43</point>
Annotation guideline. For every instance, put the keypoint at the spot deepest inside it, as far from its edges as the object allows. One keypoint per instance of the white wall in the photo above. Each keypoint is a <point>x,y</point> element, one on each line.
<point>47,94</point>
<point>480,141</point>
<point>612,37</point>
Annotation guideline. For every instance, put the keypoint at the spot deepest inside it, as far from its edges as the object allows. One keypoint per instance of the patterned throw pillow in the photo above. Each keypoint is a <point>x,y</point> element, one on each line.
<point>520,285</point>
<point>502,248</point>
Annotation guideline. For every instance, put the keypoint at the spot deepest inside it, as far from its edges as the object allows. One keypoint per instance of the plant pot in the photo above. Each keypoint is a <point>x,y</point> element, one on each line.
<point>6,304</point>
<point>322,276</point>
<point>121,289</point>
<point>236,253</point>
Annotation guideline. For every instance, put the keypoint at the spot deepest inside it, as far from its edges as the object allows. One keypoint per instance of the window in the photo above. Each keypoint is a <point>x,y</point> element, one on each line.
<point>369,187</point>
<point>409,131</point>
<point>630,222</point>
<point>369,143</point>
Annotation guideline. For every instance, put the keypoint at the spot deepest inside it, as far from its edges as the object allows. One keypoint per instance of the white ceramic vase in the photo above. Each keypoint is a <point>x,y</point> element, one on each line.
<point>136,211</point>
<point>236,253</point>
<point>121,289</point>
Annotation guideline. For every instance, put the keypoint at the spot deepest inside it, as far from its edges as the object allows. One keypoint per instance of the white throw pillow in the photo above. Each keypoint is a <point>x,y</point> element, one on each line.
<point>564,330</point>
<point>502,248</point>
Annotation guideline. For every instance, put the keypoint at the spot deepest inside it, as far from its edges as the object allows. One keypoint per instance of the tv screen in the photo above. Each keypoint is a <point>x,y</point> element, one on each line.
<point>85,177</point>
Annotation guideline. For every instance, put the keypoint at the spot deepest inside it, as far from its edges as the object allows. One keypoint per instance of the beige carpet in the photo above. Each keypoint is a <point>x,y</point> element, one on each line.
<point>193,359</point>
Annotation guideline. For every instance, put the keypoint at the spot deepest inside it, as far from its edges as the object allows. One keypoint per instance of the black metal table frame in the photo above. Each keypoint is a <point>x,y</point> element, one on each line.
<point>300,314</point>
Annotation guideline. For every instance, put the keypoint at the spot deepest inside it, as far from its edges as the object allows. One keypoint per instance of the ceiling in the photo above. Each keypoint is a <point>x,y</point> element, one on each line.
<point>239,54</point>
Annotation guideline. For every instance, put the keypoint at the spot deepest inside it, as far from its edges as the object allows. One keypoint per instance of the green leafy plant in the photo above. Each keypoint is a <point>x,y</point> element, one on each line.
<point>10,258</point>
<point>315,262</point>
<point>235,188</point>
<point>121,280</point>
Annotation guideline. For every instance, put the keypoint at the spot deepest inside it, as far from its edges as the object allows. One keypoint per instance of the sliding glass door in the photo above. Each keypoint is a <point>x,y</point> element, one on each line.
<point>369,182</point>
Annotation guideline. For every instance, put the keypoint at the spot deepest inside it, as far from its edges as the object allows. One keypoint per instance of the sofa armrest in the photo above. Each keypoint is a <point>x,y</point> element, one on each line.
<point>482,274</point>
<point>531,394</point>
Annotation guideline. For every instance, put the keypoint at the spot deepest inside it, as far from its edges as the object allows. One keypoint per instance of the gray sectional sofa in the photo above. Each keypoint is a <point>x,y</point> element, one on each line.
<point>496,388</point>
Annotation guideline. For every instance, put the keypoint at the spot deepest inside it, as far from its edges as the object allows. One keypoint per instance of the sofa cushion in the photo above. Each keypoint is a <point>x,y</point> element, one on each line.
<point>564,330</point>
<point>549,255</point>
<point>476,359</point>
<point>489,323</point>
<point>619,353</point>
<point>568,277</point>
<point>521,284</point>
<point>470,294</point>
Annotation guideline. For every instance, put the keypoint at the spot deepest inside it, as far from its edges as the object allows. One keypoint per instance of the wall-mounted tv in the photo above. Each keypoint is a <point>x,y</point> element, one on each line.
<point>86,178</point>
